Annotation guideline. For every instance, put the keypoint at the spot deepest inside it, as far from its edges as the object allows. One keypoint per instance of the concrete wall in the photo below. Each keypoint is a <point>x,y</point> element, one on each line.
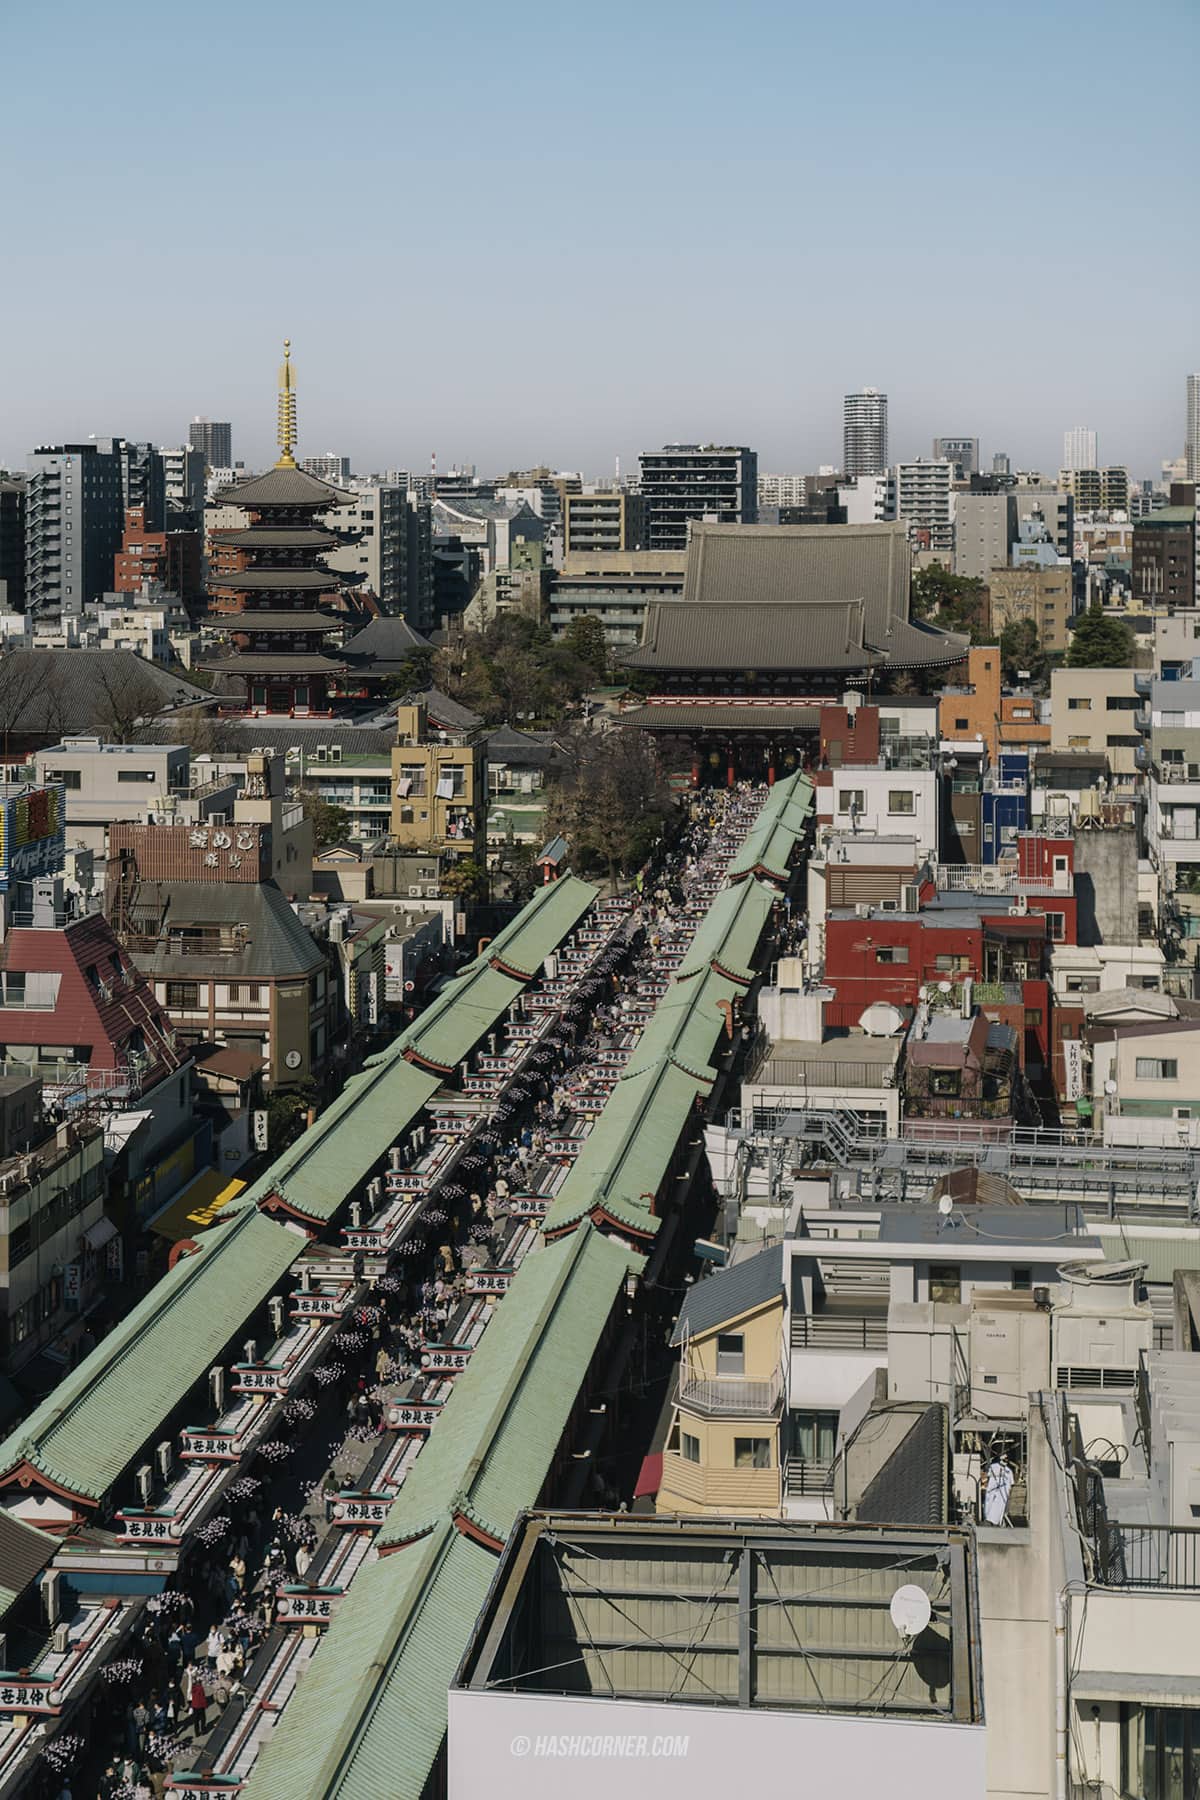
<point>1106,887</point>
<point>521,1744</point>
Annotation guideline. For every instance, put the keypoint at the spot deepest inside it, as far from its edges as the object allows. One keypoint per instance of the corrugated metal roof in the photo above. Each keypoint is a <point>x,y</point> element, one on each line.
<point>626,1154</point>
<point>741,1288</point>
<point>499,1429</point>
<point>1161,1255</point>
<point>86,1433</point>
<point>24,1553</point>
<point>540,926</point>
<point>372,1711</point>
<point>326,1164</point>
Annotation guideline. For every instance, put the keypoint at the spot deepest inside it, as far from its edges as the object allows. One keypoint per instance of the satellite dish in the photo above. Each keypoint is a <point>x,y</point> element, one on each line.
<point>945,1207</point>
<point>945,987</point>
<point>910,1610</point>
<point>1110,1086</point>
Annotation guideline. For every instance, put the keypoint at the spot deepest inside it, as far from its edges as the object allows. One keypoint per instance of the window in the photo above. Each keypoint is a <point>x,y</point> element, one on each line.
<point>689,1447</point>
<point>892,953</point>
<point>1056,926</point>
<point>1022,1279</point>
<point>184,996</point>
<point>70,778</point>
<point>945,1284</point>
<point>751,1453</point>
<point>142,775</point>
<point>1172,718</point>
<point>1033,1016</point>
<point>951,965</point>
<point>410,781</point>
<point>814,1436</point>
<point>1079,704</point>
<point>901,800</point>
<point>1156,1068</point>
<point>851,800</point>
<point>1160,1752</point>
<point>452,781</point>
<point>962,725</point>
<point>731,1353</point>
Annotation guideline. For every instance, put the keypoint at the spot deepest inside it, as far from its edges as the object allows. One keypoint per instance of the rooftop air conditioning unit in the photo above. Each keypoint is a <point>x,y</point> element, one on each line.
<point>1019,907</point>
<point>414,891</point>
<point>335,753</point>
<point>862,909</point>
<point>322,753</point>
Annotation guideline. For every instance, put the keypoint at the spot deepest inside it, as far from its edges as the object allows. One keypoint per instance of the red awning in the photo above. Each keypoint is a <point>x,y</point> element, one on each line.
<point>650,1479</point>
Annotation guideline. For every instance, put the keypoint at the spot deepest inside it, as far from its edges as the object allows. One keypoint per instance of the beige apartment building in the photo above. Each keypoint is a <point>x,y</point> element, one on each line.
<point>1093,709</point>
<point>1043,595</point>
<point>439,786</point>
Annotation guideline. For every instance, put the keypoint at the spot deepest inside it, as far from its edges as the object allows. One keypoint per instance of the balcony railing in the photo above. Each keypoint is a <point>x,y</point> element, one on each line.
<point>1152,1556</point>
<point>838,1331</point>
<point>731,1394</point>
<point>802,1477</point>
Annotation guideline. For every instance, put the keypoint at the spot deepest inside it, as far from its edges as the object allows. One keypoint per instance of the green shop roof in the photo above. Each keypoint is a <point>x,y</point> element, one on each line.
<point>86,1433</point>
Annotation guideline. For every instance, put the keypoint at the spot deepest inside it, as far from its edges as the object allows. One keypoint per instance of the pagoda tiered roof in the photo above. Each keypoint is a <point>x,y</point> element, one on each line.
<point>286,487</point>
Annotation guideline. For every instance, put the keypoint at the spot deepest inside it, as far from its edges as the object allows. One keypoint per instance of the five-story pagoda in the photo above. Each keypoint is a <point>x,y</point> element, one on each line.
<point>270,581</point>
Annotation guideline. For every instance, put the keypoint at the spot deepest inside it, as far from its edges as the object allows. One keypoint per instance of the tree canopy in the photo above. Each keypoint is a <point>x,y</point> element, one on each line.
<point>1020,649</point>
<point>953,602</point>
<point>1099,641</point>
<point>611,802</point>
<point>331,824</point>
<point>513,672</point>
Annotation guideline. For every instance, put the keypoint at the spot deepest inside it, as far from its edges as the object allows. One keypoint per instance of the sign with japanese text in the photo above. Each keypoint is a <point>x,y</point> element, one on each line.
<point>146,1527</point>
<point>446,1359</point>
<point>413,1415</point>
<point>250,1378</point>
<point>318,1306</point>
<point>529,1206</point>
<point>358,1509</point>
<point>306,1606</point>
<point>490,1281</point>
<point>28,1694</point>
<point>32,835</point>
<point>210,1446</point>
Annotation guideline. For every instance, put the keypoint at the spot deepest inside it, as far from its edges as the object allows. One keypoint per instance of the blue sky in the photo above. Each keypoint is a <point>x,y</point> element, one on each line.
<point>556,232</point>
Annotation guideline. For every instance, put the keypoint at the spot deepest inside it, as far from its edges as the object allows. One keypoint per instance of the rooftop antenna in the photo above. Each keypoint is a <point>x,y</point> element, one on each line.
<point>287,410</point>
<point>433,471</point>
<point>910,1611</point>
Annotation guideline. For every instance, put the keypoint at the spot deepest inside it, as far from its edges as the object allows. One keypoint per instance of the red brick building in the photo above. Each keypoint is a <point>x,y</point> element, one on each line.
<point>169,557</point>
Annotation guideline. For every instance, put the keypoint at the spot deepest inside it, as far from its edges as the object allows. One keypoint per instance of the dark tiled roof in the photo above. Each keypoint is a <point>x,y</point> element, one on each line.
<point>792,596</point>
<point>274,664</point>
<point>293,580</point>
<point>451,714</point>
<point>284,487</point>
<point>274,618</point>
<point>277,944</point>
<point>735,718</point>
<point>910,1489</point>
<point>263,537</point>
<point>522,749</point>
<point>24,1553</point>
<point>731,1292</point>
<point>387,642</point>
<point>63,691</point>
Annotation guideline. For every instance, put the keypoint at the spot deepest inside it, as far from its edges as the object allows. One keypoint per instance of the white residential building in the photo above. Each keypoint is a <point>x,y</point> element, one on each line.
<point>1079,448</point>
<point>925,500</point>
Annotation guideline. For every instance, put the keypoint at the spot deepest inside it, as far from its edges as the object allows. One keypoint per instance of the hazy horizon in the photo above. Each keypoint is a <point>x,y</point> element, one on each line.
<point>525,237</point>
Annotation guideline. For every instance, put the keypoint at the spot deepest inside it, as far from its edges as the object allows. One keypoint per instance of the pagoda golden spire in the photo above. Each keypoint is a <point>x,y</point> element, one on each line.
<point>287,410</point>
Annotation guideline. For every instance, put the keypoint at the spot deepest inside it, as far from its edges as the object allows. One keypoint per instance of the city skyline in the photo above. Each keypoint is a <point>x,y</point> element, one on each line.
<point>588,335</point>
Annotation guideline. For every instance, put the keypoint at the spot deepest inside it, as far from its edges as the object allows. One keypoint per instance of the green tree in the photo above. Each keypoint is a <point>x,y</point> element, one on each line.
<point>465,879</point>
<point>953,602</point>
<point>611,802</point>
<point>331,824</point>
<point>1100,642</point>
<point>584,638</point>
<point>1020,648</point>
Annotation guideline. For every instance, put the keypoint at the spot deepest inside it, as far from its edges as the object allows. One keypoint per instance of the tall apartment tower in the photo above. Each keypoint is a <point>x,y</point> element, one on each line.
<point>214,438</point>
<point>865,433</point>
<point>961,452</point>
<point>73,521</point>
<point>1079,448</point>
<point>682,482</point>
<point>1192,456</point>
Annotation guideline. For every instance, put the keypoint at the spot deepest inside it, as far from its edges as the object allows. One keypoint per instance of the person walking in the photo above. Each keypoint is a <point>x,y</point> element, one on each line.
<point>198,1700</point>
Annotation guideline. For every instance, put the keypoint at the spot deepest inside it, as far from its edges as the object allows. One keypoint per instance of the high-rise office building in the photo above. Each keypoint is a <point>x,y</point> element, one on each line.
<point>865,433</point>
<point>214,439</point>
<point>1192,452</point>
<point>73,520</point>
<point>1001,463</point>
<point>1079,448</point>
<point>682,482</point>
<point>962,453</point>
<point>389,548</point>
